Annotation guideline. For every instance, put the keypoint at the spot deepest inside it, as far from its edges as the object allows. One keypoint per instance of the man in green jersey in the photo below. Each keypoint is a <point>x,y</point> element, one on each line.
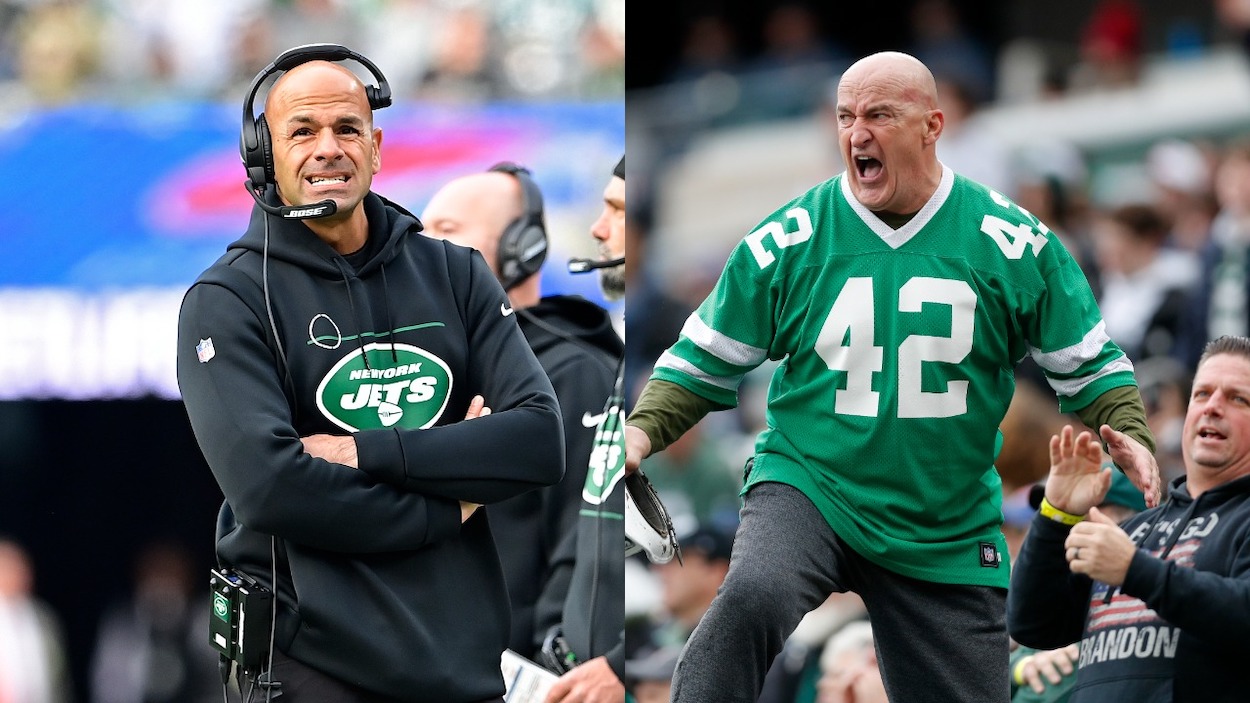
<point>899,297</point>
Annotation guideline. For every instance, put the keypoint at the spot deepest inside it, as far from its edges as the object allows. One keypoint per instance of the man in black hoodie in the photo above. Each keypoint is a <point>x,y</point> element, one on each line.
<point>500,214</point>
<point>1161,604</point>
<point>326,365</point>
<point>594,612</point>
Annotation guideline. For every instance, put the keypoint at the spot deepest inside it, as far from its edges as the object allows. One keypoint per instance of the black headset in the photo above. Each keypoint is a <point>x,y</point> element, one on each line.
<point>523,244</point>
<point>255,145</point>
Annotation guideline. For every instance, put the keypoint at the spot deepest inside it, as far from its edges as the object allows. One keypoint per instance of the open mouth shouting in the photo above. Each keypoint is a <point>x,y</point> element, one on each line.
<point>868,168</point>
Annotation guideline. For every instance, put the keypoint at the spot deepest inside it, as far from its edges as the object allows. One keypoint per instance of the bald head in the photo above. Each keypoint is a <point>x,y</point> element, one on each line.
<point>319,78</point>
<point>474,210</point>
<point>901,73</point>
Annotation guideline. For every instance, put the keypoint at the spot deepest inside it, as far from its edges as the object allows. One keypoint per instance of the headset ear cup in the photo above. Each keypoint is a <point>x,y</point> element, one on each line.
<point>255,149</point>
<point>266,147</point>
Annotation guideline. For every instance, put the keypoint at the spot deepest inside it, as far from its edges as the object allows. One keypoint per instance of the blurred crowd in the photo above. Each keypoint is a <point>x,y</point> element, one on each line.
<point>1166,255</point>
<point>58,51</point>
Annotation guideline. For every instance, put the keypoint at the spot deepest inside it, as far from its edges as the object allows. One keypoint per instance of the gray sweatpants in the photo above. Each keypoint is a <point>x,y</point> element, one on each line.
<point>935,642</point>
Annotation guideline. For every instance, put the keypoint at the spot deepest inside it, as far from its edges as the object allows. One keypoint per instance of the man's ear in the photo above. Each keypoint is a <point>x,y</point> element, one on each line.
<point>377,150</point>
<point>934,122</point>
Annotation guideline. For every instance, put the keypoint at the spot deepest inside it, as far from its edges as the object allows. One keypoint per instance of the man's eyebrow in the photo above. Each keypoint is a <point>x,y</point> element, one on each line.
<point>353,120</point>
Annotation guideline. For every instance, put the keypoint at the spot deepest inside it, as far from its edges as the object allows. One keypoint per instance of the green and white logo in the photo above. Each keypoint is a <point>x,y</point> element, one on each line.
<point>607,458</point>
<point>221,607</point>
<point>408,388</point>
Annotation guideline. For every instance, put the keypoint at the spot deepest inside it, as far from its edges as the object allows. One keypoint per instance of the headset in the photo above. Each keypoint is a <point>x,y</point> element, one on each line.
<point>523,244</point>
<point>255,142</point>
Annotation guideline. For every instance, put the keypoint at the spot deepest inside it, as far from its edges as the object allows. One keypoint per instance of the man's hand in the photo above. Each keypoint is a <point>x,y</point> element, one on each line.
<point>1076,482</point>
<point>1051,666</point>
<point>1099,549</point>
<point>1136,461</point>
<point>637,448</point>
<point>338,450</point>
<point>592,682</point>
<point>477,408</point>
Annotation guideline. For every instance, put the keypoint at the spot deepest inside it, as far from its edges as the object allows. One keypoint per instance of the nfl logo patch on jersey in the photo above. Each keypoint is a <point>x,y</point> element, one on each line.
<point>204,350</point>
<point>989,555</point>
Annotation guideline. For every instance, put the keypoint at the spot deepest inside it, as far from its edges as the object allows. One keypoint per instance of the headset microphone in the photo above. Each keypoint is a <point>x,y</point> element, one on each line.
<point>584,265</point>
<point>324,208</point>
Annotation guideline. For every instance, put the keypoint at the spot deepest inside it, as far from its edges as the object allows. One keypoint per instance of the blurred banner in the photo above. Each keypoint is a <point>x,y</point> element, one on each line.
<point>112,214</point>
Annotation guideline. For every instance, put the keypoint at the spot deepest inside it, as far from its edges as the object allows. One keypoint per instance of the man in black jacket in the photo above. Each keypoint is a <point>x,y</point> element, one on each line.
<point>500,213</point>
<point>594,612</point>
<point>325,365</point>
<point>1158,604</point>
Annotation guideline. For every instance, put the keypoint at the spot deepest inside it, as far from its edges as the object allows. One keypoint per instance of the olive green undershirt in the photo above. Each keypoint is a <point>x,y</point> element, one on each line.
<point>666,410</point>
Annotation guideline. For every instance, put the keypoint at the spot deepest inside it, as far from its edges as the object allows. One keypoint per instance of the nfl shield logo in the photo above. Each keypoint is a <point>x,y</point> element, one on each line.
<point>204,350</point>
<point>989,555</point>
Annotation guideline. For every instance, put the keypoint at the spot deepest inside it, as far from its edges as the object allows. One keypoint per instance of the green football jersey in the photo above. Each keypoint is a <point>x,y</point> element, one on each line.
<point>898,350</point>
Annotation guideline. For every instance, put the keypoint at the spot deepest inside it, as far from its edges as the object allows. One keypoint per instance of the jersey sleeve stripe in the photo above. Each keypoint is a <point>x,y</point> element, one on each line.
<point>727,349</point>
<point>1068,359</point>
<point>669,360</point>
<point>1071,387</point>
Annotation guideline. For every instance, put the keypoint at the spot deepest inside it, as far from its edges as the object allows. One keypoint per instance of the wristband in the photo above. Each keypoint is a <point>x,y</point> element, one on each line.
<point>1017,671</point>
<point>1050,511</point>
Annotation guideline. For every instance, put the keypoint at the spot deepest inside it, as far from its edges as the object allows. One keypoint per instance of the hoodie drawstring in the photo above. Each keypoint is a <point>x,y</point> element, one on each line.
<point>390,324</point>
<point>351,303</point>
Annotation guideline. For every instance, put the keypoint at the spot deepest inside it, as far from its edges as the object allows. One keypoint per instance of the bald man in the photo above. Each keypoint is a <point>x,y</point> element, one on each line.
<point>337,373</point>
<point>900,296</point>
<point>577,347</point>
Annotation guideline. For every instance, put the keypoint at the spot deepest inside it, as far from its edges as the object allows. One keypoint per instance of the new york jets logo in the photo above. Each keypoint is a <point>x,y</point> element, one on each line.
<point>607,458</point>
<point>408,388</point>
<point>221,607</point>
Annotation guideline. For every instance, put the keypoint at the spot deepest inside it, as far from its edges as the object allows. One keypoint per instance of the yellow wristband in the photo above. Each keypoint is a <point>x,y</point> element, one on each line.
<point>1050,511</point>
<point>1017,672</point>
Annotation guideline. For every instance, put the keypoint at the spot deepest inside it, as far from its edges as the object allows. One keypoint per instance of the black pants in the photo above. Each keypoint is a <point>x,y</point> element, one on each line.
<point>304,684</point>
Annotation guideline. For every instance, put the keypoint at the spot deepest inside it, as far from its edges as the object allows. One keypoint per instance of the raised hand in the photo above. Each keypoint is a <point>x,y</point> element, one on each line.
<point>1076,482</point>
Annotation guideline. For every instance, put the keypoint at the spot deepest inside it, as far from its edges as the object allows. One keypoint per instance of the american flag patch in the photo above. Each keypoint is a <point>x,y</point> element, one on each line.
<point>204,350</point>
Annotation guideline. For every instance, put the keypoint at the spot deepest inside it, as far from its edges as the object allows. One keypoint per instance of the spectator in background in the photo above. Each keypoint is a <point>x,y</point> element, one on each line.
<point>1181,172</point>
<point>709,45</point>
<point>968,149</point>
<point>944,44</point>
<point>796,672</point>
<point>58,51</point>
<point>461,69</point>
<point>849,672</point>
<point>1144,285</point>
<point>1158,603</point>
<point>1110,48</point>
<point>152,648</point>
<point>33,668</point>
<point>687,588</point>
<point>1218,303</point>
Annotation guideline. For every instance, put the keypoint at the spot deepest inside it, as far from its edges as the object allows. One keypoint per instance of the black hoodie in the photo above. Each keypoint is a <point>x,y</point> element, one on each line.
<point>1179,627</point>
<point>379,584</point>
<point>537,532</point>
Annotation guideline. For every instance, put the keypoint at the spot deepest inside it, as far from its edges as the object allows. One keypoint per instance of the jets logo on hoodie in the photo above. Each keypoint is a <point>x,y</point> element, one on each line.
<point>406,386</point>
<point>607,458</point>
